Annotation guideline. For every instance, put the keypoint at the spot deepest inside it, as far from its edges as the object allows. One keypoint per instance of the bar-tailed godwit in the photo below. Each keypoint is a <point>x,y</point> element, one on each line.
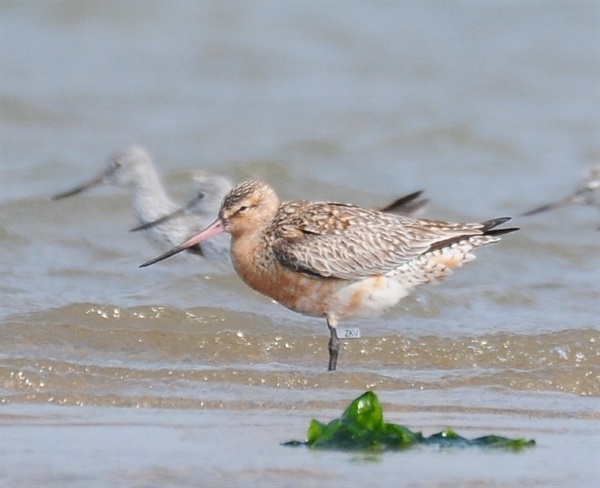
<point>336,260</point>
<point>133,168</point>
<point>586,193</point>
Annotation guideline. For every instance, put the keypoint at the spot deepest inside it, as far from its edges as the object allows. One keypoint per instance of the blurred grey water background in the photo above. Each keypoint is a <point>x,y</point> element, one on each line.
<point>492,108</point>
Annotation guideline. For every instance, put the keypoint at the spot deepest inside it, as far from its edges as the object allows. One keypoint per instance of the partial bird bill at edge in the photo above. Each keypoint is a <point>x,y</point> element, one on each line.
<point>551,206</point>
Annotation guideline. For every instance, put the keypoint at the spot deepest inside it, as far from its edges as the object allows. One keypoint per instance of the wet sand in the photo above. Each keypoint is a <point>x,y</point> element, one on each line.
<point>161,447</point>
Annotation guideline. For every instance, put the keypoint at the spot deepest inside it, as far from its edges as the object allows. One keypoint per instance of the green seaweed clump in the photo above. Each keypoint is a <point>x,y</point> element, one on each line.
<point>361,427</point>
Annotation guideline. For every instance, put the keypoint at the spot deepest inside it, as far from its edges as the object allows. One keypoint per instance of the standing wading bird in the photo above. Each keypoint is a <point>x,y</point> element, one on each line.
<point>336,260</point>
<point>132,168</point>
<point>587,193</point>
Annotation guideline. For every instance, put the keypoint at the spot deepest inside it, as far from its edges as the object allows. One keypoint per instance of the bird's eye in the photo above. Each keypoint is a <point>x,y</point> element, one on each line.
<point>242,209</point>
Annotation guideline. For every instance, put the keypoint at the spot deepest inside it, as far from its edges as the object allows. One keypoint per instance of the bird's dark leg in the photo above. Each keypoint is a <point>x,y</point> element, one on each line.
<point>334,343</point>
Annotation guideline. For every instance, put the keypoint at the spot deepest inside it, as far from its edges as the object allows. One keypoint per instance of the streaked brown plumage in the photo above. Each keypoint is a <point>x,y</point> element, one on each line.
<point>336,260</point>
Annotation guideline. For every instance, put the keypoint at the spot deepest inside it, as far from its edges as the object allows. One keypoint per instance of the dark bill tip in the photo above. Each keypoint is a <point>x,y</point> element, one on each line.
<point>168,254</point>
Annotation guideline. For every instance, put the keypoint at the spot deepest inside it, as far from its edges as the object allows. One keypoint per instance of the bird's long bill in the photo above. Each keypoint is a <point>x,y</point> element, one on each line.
<point>98,180</point>
<point>159,221</point>
<point>212,230</point>
<point>549,206</point>
<point>177,213</point>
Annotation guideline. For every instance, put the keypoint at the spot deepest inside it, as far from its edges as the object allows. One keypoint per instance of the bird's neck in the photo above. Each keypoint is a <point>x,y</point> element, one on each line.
<point>149,199</point>
<point>251,256</point>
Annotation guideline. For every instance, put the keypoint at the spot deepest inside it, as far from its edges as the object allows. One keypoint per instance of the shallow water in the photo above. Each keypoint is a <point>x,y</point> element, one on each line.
<point>178,374</point>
